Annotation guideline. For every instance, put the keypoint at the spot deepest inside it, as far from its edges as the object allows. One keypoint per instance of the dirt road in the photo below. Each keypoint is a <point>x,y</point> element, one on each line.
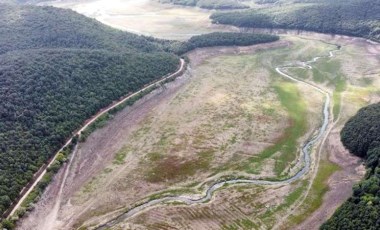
<point>91,121</point>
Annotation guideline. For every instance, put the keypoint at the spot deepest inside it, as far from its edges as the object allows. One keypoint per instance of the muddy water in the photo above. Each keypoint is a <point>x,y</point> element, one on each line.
<point>305,158</point>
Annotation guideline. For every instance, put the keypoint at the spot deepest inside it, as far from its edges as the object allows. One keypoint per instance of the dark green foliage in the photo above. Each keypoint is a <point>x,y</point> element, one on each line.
<point>8,224</point>
<point>350,17</point>
<point>57,69</point>
<point>224,39</point>
<point>362,131</point>
<point>361,136</point>
<point>31,27</point>
<point>209,4</point>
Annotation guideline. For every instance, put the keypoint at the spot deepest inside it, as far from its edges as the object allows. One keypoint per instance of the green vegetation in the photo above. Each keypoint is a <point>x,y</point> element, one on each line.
<point>287,145</point>
<point>361,135</point>
<point>340,87</point>
<point>318,188</point>
<point>222,39</point>
<point>209,4</point>
<point>359,18</point>
<point>58,68</point>
<point>269,216</point>
<point>175,168</point>
<point>35,194</point>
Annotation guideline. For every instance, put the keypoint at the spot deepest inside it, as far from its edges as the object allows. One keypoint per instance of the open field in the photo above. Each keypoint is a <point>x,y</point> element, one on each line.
<point>199,128</point>
<point>230,115</point>
<point>147,17</point>
<point>186,138</point>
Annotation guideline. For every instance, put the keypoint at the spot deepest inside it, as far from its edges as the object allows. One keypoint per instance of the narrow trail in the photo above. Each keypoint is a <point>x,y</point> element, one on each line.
<point>181,68</point>
<point>304,156</point>
<point>49,223</point>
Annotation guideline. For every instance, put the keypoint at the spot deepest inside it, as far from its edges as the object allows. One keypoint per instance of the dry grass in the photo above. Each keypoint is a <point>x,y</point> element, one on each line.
<point>146,17</point>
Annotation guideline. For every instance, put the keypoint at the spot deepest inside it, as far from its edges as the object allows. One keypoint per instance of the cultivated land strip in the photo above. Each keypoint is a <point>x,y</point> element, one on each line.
<point>181,68</point>
<point>304,157</point>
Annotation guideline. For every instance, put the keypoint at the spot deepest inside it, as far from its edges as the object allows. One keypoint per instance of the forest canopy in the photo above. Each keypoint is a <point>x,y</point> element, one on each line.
<point>222,39</point>
<point>361,135</point>
<point>57,69</point>
<point>359,18</point>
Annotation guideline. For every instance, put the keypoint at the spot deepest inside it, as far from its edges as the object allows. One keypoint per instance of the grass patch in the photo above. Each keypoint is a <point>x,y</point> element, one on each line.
<point>289,200</point>
<point>175,168</point>
<point>318,189</point>
<point>340,86</point>
<point>292,101</point>
<point>170,192</point>
<point>120,156</point>
<point>241,224</point>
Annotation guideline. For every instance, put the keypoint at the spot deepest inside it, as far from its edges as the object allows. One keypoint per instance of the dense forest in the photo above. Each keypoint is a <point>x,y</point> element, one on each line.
<point>359,18</point>
<point>222,39</point>
<point>57,68</point>
<point>361,135</point>
<point>209,4</point>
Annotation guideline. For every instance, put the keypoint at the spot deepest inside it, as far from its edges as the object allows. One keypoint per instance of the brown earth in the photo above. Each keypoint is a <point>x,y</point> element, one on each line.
<point>95,157</point>
<point>340,183</point>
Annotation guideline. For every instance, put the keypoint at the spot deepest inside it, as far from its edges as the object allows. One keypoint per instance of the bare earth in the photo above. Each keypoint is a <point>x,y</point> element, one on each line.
<point>106,174</point>
<point>340,183</point>
<point>95,157</point>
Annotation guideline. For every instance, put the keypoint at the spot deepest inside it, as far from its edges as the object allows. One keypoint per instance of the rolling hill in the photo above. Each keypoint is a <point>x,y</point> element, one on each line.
<point>358,18</point>
<point>58,68</point>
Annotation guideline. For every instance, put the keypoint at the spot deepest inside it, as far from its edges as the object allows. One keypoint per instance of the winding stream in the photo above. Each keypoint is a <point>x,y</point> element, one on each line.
<point>304,157</point>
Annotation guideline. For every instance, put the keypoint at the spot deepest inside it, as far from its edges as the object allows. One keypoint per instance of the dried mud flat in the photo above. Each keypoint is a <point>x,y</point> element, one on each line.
<point>96,155</point>
<point>93,157</point>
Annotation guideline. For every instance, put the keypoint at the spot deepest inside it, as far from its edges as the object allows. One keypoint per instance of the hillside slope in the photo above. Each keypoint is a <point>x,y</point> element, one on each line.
<point>359,18</point>
<point>57,68</point>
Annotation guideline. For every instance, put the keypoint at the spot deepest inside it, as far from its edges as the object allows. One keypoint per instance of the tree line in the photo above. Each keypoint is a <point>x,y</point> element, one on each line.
<point>222,39</point>
<point>361,136</point>
<point>358,18</point>
<point>58,68</point>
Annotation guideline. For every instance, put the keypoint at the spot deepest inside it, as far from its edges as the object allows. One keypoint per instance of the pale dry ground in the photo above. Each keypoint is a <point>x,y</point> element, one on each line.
<point>95,185</point>
<point>248,209</point>
<point>119,185</point>
<point>147,17</point>
<point>244,207</point>
<point>193,129</point>
<point>360,65</point>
